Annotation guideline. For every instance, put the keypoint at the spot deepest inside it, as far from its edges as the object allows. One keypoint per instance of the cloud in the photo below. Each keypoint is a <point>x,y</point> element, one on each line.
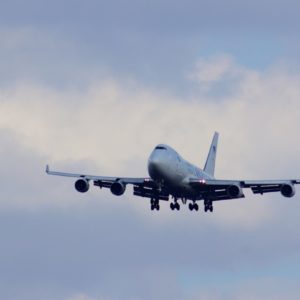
<point>40,42</point>
<point>258,125</point>
<point>94,91</point>
<point>218,76</point>
<point>213,69</point>
<point>59,244</point>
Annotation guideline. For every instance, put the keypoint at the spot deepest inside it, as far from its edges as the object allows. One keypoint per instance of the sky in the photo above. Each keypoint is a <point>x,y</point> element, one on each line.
<point>92,87</point>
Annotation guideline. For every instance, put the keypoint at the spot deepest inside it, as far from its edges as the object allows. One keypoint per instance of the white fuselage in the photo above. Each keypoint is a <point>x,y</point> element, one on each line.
<point>167,167</point>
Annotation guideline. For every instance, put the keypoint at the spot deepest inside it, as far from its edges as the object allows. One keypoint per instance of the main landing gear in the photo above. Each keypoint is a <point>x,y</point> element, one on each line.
<point>193,206</point>
<point>208,206</point>
<point>175,204</point>
<point>154,204</point>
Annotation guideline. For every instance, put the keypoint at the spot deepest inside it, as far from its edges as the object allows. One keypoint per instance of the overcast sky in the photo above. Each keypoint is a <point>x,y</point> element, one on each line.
<point>93,86</point>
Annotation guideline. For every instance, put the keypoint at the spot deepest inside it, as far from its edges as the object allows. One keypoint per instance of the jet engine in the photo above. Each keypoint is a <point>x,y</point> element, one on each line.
<point>82,185</point>
<point>234,191</point>
<point>287,190</point>
<point>118,188</point>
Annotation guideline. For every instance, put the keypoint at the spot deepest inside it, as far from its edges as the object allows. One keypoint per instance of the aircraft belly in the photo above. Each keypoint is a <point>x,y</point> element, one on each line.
<point>177,187</point>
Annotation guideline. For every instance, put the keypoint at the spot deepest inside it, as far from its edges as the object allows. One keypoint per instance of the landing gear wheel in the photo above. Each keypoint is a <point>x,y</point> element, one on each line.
<point>196,207</point>
<point>154,204</point>
<point>172,206</point>
<point>208,206</point>
<point>191,206</point>
<point>177,206</point>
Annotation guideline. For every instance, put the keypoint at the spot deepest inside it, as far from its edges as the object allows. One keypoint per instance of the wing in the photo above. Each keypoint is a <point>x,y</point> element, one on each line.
<point>232,189</point>
<point>142,186</point>
<point>125,180</point>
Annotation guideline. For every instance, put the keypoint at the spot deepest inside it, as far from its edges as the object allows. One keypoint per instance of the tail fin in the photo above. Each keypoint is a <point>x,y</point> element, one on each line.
<point>209,167</point>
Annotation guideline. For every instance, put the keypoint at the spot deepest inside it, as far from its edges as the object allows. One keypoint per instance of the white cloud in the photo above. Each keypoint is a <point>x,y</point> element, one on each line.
<point>214,69</point>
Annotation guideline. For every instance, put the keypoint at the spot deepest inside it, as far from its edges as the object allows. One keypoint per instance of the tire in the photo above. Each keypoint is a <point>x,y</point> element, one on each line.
<point>191,206</point>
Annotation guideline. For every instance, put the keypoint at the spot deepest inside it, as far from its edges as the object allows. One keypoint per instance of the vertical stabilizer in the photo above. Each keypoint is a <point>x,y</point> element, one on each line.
<point>209,167</point>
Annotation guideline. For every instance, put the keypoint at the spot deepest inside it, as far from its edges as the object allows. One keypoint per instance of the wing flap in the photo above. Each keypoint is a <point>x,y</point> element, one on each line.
<point>224,196</point>
<point>199,182</point>
<point>251,183</point>
<point>265,189</point>
<point>103,184</point>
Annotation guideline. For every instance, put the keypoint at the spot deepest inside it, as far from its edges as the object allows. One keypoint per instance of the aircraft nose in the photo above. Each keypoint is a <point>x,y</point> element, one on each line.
<point>154,165</point>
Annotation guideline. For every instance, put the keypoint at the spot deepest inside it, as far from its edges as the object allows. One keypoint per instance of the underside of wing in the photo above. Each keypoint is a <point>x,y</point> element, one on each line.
<point>150,192</point>
<point>233,189</point>
<point>285,187</point>
<point>143,187</point>
<point>215,190</point>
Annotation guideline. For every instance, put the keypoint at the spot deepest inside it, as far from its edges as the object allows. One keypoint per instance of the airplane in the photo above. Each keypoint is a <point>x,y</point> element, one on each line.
<point>171,175</point>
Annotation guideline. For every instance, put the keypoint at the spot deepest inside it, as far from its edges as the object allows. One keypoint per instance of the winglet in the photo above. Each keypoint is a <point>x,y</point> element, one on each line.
<point>47,169</point>
<point>209,167</point>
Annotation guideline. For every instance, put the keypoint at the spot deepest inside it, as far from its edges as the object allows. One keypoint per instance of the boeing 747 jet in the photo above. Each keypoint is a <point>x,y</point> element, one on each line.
<point>170,176</point>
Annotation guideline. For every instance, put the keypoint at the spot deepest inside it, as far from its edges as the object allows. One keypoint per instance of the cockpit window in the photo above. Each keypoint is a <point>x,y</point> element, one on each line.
<point>161,148</point>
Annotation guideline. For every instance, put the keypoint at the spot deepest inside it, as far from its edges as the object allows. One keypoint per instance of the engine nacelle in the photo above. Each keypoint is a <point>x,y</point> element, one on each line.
<point>287,190</point>
<point>82,185</point>
<point>118,188</point>
<point>234,191</point>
